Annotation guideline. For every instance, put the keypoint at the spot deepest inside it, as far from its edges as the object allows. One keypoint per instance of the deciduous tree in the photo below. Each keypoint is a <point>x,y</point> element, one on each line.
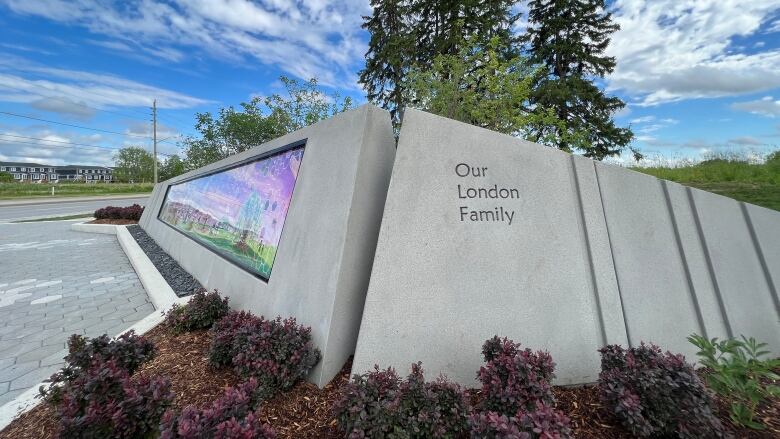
<point>133,163</point>
<point>259,120</point>
<point>479,85</point>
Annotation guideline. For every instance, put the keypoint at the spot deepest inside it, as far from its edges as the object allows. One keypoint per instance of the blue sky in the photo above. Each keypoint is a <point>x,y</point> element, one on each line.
<point>699,76</point>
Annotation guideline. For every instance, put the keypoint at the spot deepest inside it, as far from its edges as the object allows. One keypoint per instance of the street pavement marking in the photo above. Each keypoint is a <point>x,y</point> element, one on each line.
<point>46,299</point>
<point>102,280</point>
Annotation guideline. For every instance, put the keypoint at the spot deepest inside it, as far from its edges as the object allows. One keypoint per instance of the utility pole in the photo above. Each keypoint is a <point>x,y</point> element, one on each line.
<point>154,135</point>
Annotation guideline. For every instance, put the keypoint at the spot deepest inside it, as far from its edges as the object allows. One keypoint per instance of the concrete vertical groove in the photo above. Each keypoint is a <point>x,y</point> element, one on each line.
<point>612,252</point>
<point>589,251</point>
<point>708,259</point>
<point>757,244</point>
<point>684,259</point>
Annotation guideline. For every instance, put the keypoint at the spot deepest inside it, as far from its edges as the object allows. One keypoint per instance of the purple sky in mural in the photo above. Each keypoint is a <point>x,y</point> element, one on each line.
<point>222,195</point>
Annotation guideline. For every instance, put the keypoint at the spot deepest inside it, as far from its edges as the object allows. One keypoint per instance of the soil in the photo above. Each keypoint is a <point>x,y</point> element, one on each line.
<point>116,222</point>
<point>306,411</point>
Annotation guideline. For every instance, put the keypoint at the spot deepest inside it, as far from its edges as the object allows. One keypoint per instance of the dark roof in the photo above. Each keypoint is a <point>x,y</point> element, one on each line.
<point>34,165</point>
<point>83,167</point>
<point>40,165</point>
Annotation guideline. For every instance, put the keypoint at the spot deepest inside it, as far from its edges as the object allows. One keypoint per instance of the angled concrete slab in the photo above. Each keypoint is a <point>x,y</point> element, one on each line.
<point>324,256</point>
<point>487,234</point>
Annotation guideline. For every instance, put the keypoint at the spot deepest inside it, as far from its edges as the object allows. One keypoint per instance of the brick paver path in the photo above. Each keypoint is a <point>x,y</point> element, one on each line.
<point>53,283</point>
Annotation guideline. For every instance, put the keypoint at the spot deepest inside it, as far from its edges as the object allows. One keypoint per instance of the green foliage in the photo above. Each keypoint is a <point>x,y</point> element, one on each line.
<point>478,85</point>
<point>133,164</point>
<point>172,166</point>
<point>412,33</point>
<point>736,372</point>
<point>732,175</point>
<point>568,39</point>
<point>24,190</point>
<point>262,119</point>
<point>6,177</point>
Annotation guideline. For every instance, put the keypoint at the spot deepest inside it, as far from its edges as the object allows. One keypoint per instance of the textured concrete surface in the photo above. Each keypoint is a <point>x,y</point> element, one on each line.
<point>55,282</point>
<point>324,258</point>
<point>594,254</point>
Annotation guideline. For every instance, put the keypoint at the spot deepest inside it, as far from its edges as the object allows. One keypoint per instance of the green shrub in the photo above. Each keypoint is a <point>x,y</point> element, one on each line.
<point>736,372</point>
<point>202,311</point>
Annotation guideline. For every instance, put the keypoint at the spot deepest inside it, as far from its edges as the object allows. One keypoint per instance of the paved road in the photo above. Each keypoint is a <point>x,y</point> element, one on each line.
<point>55,282</point>
<point>15,213</point>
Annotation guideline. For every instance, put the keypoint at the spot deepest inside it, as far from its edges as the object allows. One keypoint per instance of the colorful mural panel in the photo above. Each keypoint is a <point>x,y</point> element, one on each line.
<point>239,212</point>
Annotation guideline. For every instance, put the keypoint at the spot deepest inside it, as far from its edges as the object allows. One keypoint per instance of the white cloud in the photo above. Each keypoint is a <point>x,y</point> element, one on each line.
<point>26,82</point>
<point>64,106</point>
<point>313,38</point>
<point>46,146</point>
<point>671,50</point>
<point>643,119</point>
<point>765,106</point>
<point>745,141</point>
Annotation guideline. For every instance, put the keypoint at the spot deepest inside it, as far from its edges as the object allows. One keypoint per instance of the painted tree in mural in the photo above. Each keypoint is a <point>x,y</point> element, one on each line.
<point>250,217</point>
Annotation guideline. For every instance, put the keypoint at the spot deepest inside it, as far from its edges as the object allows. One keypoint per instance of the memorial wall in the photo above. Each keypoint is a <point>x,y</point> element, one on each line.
<point>288,227</point>
<point>487,234</point>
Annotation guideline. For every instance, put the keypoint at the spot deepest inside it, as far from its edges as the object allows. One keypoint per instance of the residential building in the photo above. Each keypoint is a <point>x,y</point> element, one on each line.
<point>36,172</point>
<point>29,171</point>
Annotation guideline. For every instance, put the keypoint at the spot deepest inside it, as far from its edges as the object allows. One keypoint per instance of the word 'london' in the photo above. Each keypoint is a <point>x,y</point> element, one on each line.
<point>495,214</point>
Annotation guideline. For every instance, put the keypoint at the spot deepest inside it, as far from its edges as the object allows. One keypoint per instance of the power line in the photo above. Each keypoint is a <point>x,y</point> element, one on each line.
<point>72,102</point>
<point>74,126</point>
<point>74,144</point>
<point>43,145</point>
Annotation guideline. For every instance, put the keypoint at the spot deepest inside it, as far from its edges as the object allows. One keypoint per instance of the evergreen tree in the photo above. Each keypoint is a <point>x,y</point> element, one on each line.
<point>408,34</point>
<point>568,39</point>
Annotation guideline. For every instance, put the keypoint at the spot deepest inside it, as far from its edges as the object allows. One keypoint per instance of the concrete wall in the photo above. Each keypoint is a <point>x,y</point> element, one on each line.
<point>323,262</point>
<point>595,254</point>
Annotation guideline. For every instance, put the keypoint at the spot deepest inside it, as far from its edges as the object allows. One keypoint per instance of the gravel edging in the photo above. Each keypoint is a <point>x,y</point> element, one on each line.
<point>182,283</point>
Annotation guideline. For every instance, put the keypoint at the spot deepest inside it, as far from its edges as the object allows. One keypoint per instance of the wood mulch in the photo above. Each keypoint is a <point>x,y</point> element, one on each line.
<point>306,411</point>
<point>116,222</point>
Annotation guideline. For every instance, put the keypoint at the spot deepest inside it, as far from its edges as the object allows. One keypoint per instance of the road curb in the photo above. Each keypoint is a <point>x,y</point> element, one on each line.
<point>107,229</point>
<point>50,200</point>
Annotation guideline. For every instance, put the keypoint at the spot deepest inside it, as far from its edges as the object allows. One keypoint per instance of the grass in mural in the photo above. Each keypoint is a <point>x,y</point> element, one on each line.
<point>238,212</point>
<point>251,253</point>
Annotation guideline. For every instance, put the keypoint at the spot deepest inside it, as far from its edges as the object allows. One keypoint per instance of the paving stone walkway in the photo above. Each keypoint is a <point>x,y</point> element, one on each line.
<point>55,282</point>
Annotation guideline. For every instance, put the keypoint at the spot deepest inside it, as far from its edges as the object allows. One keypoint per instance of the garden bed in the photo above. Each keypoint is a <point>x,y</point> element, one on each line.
<point>116,222</point>
<point>307,412</point>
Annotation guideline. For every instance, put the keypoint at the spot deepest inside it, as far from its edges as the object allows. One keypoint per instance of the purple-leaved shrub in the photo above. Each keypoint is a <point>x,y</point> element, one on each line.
<point>276,352</point>
<point>379,404</point>
<point>133,212</point>
<point>542,422</point>
<point>229,417</point>
<point>656,394</point>
<point>201,312</point>
<point>513,378</point>
<point>127,351</point>
<point>104,402</point>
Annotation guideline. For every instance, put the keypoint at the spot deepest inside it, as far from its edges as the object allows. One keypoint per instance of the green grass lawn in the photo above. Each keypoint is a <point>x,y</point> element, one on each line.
<point>734,177</point>
<point>27,190</point>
